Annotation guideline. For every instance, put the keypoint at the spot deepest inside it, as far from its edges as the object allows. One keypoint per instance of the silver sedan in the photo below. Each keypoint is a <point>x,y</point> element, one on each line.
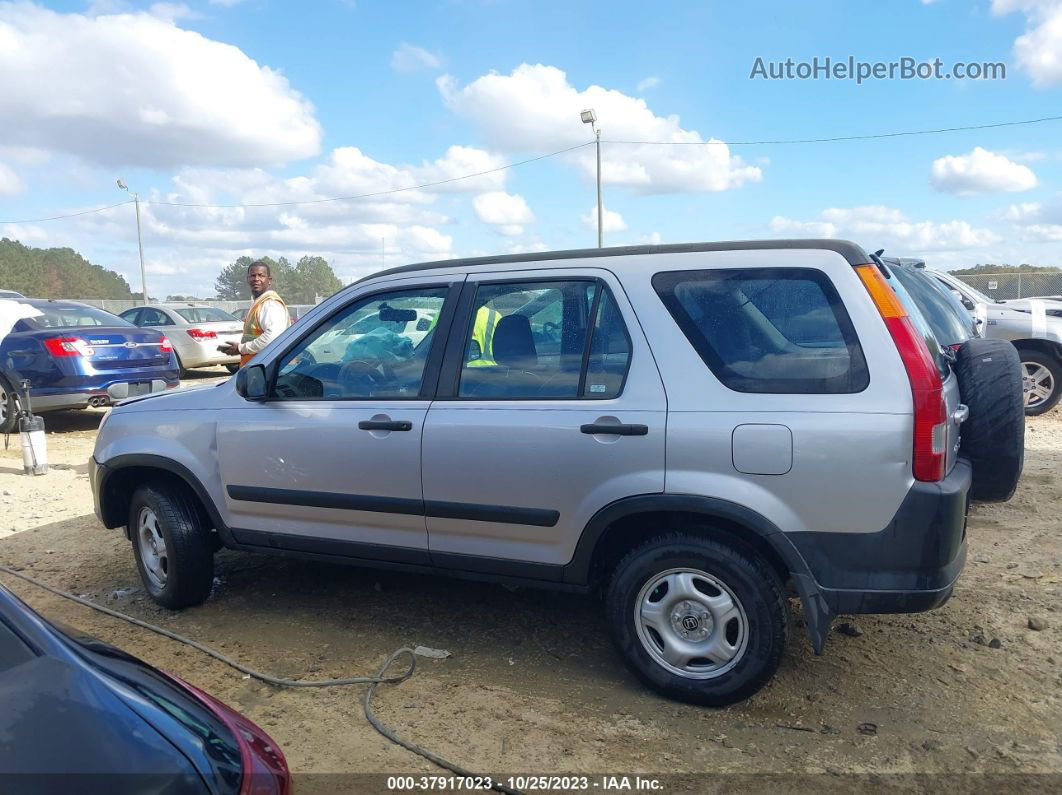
<point>196,331</point>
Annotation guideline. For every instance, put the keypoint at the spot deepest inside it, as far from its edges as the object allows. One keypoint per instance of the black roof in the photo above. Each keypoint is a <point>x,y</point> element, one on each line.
<point>852,252</point>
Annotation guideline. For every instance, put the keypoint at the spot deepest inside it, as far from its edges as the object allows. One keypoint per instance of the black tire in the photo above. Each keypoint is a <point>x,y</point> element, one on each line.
<point>232,368</point>
<point>8,407</point>
<point>993,435</point>
<point>752,582</point>
<point>1031,359</point>
<point>189,570</point>
<point>181,372</point>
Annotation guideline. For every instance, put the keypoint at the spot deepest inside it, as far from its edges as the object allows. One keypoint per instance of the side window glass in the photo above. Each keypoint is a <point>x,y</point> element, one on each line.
<point>530,341</point>
<point>373,348</point>
<point>153,317</point>
<point>610,352</point>
<point>526,340</point>
<point>132,316</point>
<point>770,330</point>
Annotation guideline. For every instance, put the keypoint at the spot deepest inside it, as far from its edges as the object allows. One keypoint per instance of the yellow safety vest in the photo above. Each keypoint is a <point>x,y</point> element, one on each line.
<point>252,326</point>
<point>483,333</point>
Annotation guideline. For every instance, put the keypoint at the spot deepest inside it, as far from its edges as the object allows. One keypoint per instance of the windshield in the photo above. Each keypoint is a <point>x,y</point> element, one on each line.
<point>950,322</point>
<point>71,316</point>
<point>975,293</point>
<point>206,314</point>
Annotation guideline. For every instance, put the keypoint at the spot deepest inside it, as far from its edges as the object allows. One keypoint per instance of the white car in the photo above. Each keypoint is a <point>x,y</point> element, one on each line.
<point>333,344</point>
<point>196,331</point>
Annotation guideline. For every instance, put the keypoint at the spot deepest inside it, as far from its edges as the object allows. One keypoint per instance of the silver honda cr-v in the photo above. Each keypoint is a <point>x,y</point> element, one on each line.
<point>694,431</point>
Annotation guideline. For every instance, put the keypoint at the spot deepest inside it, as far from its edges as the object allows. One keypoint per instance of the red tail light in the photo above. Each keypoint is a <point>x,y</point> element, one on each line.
<point>265,770</point>
<point>200,334</point>
<point>166,346</point>
<point>68,346</point>
<point>930,412</point>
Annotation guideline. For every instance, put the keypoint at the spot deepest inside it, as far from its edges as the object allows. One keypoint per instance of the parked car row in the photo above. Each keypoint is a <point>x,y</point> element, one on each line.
<point>507,418</point>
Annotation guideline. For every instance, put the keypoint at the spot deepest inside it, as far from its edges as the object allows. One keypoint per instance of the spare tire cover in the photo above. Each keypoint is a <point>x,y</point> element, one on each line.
<point>993,435</point>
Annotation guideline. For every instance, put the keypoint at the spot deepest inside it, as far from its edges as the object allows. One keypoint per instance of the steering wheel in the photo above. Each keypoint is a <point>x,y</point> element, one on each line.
<point>370,373</point>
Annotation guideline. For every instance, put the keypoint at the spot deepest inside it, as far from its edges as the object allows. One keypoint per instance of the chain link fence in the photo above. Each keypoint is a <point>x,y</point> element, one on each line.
<point>117,305</point>
<point>1015,285</point>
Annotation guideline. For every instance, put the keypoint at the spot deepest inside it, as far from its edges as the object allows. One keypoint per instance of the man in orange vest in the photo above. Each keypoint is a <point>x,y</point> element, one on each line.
<point>267,317</point>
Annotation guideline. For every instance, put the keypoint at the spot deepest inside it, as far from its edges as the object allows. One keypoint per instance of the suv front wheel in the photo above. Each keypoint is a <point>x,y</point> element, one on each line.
<point>173,551</point>
<point>697,619</point>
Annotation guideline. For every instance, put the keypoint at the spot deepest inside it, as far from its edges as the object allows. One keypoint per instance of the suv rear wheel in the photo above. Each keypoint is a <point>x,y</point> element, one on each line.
<point>173,551</point>
<point>697,619</point>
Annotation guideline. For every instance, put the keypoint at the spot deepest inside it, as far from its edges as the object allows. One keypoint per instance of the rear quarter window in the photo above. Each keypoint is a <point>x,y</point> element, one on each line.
<point>769,330</point>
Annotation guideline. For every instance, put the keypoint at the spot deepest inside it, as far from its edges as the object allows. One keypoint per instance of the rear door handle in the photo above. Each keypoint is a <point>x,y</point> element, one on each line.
<point>615,430</point>
<point>385,425</point>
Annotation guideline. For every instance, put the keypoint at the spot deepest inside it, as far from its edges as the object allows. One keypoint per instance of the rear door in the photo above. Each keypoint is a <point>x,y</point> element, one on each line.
<point>550,407</point>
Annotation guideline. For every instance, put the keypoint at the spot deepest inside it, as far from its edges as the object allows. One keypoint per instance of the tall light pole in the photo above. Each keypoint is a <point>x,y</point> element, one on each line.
<point>589,117</point>
<point>139,239</point>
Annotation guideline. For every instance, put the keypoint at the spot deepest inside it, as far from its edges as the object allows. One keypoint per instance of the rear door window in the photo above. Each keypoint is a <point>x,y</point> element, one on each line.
<point>769,330</point>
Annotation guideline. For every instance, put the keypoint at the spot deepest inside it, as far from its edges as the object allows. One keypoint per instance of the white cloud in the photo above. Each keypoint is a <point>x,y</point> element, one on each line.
<point>647,84</point>
<point>980,171</point>
<point>876,227</point>
<point>536,109</point>
<point>1038,50</point>
<point>1035,221</point>
<point>410,58</point>
<point>10,182</point>
<point>198,241</point>
<point>171,12</point>
<point>226,3</point>
<point>506,211</point>
<point>135,89</point>
<point>611,220</point>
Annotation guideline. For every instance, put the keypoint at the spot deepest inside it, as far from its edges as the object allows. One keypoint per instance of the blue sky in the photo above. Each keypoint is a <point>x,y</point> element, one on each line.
<point>229,102</point>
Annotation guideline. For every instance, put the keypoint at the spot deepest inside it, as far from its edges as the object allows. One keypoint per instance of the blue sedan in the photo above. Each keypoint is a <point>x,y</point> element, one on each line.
<point>76,356</point>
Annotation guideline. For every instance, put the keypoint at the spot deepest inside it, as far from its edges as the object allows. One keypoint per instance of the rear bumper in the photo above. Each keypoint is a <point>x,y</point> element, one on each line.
<point>97,393</point>
<point>910,566</point>
<point>206,354</point>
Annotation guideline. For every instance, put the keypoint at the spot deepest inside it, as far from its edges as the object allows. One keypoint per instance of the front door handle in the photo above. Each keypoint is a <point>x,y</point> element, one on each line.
<point>385,425</point>
<point>614,429</point>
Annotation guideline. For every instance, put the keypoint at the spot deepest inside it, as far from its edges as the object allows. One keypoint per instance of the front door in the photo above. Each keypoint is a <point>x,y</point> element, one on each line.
<point>331,461</point>
<point>549,408</point>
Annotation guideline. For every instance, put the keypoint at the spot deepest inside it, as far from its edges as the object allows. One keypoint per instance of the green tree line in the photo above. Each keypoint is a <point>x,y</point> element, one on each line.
<point>988,268</point>
<point>56,273</point>
<point>300,283</point>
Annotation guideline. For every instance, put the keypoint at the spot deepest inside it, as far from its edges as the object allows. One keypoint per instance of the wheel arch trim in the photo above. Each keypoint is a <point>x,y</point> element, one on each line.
<point>149,461</point>
<point>816,611</point>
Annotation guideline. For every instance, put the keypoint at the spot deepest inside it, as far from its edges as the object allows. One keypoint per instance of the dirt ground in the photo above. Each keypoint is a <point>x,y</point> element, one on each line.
<point>533,685</point>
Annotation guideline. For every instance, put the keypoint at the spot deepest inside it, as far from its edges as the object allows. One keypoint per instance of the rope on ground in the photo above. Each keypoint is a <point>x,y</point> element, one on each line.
<point>373,681</point>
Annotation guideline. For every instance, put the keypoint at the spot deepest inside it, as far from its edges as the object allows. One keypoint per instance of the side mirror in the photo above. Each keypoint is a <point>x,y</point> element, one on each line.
<point>251,382</point>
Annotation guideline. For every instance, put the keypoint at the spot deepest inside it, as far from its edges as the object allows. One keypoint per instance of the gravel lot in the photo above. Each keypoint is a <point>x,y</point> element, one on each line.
<point>533,686</point>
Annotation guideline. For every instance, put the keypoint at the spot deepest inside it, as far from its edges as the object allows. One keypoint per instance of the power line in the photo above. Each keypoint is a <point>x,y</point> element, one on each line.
<point>449,180</point>
<point>376,193</point>
<point>841,137</point>
<point>69,215</point>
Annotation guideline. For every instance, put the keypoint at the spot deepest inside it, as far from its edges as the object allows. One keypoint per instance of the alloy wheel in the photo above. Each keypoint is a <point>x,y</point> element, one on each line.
<point>1038,384</point>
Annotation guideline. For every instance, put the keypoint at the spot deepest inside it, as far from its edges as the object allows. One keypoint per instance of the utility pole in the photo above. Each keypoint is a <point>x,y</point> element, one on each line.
<point>589,117</point>
<point>139,239</point>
